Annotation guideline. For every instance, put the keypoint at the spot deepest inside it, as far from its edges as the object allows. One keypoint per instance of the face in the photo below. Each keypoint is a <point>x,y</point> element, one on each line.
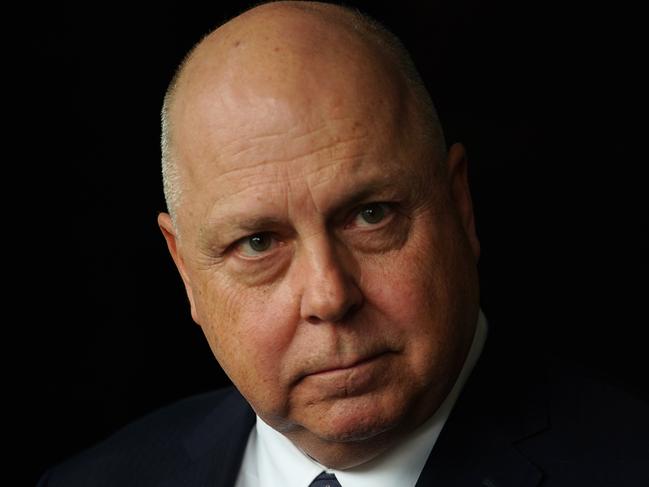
<point>332,274</point>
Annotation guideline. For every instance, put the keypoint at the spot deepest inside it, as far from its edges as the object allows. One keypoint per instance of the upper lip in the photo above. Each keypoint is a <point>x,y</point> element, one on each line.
<point>343,364</point>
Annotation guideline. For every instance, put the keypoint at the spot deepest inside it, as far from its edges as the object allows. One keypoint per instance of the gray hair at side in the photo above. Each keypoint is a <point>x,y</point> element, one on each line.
<point>365,25</point>
<point>171,182</point>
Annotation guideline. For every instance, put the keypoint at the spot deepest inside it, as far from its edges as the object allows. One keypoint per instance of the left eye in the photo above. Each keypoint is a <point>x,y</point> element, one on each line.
<point>372,214</point>
<point>256,244</point>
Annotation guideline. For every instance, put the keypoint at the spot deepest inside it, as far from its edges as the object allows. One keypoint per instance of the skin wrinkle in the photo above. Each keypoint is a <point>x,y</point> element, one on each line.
<point>268,223</point>
<point>319,180</point>
<point>311,150</point>
<point>396,121</point>
<point>333,293</point>
<point>252,170</point>
<point>315,150</point>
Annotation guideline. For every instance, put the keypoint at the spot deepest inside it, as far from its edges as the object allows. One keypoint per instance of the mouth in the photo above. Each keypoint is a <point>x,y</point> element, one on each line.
<point>345,367</point>
<point>346,378</point>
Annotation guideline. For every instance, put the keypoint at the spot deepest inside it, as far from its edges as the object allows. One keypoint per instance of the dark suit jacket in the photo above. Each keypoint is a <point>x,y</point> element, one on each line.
<point>518,422</point>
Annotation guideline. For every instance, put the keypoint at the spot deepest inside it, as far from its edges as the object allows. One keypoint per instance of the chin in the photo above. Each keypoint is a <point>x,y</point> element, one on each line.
<point>350,421</point>
<point>345,439</point>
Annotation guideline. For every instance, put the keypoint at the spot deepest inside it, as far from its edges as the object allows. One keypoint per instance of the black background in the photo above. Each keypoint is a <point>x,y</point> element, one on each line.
<point>546,98</point>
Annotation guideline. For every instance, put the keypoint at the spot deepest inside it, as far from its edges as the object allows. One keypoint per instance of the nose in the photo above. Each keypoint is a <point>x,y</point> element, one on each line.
<point>330,293</point>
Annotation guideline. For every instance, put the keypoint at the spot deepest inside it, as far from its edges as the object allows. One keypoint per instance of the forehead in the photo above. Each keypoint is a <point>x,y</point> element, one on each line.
<point>277,113</point>
<point>235,108</point>
<point>269,145</point>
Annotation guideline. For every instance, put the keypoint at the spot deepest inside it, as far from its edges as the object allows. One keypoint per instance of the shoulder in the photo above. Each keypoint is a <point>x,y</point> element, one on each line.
<point>596,433</point>
<point>571,395</point>
<point>593,418</point>
<point>582,393</point>
<point>152,447</point>
<point>568,422</point>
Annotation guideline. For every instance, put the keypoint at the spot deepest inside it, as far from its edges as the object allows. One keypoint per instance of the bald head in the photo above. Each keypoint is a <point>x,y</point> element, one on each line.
<point>306,58</point>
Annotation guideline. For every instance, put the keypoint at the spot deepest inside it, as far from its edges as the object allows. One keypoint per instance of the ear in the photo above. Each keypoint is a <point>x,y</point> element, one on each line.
<point>461,195</point>
<point>167,228</point>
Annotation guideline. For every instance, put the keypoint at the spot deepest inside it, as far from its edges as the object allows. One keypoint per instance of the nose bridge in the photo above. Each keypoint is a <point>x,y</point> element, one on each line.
<point>329,290</point>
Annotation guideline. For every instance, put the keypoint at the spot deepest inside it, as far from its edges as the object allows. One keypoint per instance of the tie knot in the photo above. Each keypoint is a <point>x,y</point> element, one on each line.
<point>325,480</point>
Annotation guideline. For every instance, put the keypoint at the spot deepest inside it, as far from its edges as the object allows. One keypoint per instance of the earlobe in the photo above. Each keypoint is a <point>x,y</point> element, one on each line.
<point>169,233</point>
<point>457,164</point>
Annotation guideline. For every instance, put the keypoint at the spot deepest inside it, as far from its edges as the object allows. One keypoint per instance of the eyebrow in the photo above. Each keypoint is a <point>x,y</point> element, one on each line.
<point>254,224</point>
<point>210,232</point>
<point>383,188</point>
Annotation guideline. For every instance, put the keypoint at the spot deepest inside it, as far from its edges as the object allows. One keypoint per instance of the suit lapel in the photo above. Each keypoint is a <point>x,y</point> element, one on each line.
<point>480,457</point>
<point>503,402</point>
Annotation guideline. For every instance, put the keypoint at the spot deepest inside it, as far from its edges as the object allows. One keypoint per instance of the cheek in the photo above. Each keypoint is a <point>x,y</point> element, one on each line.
<point>404,287</point>
<point>415,291</point>
<point>249,330</point>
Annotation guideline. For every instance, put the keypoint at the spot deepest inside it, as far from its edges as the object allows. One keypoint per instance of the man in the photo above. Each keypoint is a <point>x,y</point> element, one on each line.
<point>325,237</point>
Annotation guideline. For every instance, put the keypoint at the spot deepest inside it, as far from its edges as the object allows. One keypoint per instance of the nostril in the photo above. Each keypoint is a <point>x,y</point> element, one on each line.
<point>313,320</point>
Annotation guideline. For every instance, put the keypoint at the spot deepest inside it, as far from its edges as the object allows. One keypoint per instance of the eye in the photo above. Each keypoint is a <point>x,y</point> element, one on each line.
<point>256,244</point>
<point>372,214</point>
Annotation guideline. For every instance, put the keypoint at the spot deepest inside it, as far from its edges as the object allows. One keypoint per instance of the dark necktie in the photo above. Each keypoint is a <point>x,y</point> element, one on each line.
<point>325,480</point>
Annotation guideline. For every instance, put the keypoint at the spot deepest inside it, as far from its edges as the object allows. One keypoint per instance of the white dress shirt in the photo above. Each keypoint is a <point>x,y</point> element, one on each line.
<point>271,459</point>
